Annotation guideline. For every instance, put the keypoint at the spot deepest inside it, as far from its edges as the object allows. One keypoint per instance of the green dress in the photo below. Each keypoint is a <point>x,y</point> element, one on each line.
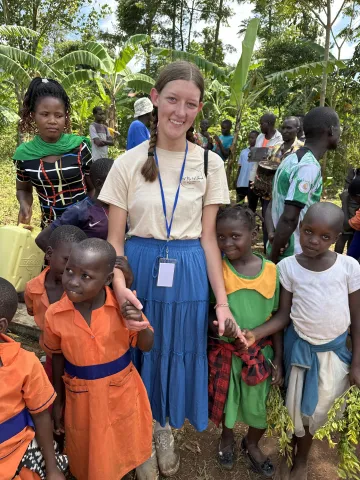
<point>252,300</point>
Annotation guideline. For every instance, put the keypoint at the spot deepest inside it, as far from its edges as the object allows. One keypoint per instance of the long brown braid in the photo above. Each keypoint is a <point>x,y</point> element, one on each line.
<point>41,88</point>
<point>179,70</point>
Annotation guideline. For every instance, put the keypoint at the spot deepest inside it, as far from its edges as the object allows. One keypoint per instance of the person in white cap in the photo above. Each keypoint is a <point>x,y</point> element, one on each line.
<point>138,130</point>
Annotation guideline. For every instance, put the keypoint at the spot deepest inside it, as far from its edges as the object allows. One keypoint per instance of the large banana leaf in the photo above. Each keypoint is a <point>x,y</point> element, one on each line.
<point>79,76</point>
<point>14,31</point>
<point>100,51</point>
<point>129,50</point>
<point>79,57</point>
<point>140,82</point>
<point>314,68</point>
<point>239,78</point>
<point>27,60</point>
<point>318,49</point>
<point>204,65</point>
<point>8,116</point>
<point>12,68</point>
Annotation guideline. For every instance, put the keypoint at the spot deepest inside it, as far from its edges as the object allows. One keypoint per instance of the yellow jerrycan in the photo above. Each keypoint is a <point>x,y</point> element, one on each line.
<point>21,258</point>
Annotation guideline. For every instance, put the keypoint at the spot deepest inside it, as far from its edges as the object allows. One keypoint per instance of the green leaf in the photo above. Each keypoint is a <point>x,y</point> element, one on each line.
<point>79,76</point>
<point>314,68</point>
<point>12,68</point>
<point>242,68</point>
<point>79,57</point>
<point>204,65</point>
<point>318,49</point>
<point>129,50</point>
<point>14,31</point>
<point>99,50</point>
<point>26,60</point>
<point>8,115</point>
<point>140,82</point>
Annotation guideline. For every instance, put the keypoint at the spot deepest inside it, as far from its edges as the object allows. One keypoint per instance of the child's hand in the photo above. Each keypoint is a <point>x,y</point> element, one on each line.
<point>30,311</point>
<point>122,264</point>
<point>277,373</point>
<point>54,474</point>
<point>249,336</point>
<point>129,312</point>
<point>355,375</point>
<point>241,346</point>
<point>230,328</point>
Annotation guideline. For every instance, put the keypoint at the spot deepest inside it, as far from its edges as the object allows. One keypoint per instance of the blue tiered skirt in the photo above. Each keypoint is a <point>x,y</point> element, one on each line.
<point>175,372</point>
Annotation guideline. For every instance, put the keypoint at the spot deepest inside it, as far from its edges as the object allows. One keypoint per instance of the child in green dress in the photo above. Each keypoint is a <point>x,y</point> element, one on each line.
<point>240,379</point>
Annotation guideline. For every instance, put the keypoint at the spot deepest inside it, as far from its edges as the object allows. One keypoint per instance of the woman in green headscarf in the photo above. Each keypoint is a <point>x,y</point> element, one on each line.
<point>55,163</point>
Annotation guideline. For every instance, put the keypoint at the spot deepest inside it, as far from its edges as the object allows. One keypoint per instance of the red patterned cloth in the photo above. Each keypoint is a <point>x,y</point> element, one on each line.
<point>255,370</point>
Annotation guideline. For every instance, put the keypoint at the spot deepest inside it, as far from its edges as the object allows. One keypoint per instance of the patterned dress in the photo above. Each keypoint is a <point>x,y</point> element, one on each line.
<point>58,184</point>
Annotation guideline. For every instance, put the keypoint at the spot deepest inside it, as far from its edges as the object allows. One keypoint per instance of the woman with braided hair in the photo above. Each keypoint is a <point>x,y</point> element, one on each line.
<point>172,205</point>
<point>56,163</point>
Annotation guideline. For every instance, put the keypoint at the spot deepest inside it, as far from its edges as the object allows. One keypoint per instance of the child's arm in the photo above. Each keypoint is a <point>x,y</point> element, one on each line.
<point>277,367</point>
<point>354,304</point>
<point>277,323</point>
<point>44,437</point>
<point>58,363</point>
<point>28,302</point>
<point>145,338</point>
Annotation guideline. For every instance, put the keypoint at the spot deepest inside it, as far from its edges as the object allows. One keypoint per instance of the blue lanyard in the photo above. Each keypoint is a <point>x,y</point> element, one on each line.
<point>167,224</point>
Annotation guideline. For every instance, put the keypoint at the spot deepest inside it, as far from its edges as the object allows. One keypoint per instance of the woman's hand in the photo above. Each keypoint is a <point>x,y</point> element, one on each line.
<point>25,214</point>
<point>222,314</point>
<point>125,295</point>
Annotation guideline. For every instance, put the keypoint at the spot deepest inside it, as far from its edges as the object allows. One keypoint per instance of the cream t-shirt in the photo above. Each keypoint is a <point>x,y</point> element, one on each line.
<point>320,305</point>
<point>126,188</point>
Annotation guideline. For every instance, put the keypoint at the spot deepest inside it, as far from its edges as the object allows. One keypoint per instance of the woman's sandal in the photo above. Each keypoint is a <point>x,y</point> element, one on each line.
<point>266,468</point>
<point>226,457</point>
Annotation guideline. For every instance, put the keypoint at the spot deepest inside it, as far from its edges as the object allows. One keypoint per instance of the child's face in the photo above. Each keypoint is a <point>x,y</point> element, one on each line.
<point>234,238</point>
<point>58,257</point>
<point>100,116</point>
<point>316,237</point>
<point>85,275</point>
<point>225,128</point>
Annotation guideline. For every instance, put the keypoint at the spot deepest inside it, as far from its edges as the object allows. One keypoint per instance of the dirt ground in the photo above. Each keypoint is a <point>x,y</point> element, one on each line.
<point>198,450</point>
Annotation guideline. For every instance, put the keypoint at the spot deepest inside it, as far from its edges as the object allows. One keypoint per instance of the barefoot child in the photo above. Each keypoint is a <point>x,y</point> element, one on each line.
<point>252,288</point>
<point>47,288</point>
<point>25,395</point>
<point>108,421</point>
<point>321,294</point>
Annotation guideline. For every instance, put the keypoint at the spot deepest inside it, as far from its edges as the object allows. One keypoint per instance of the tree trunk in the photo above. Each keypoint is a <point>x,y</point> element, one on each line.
<point>112,114</point>
<point>190,23</point>
<point>181,24</point>
<point>217,30</point>
<point>232,157</point>
<point>326,53</point>
<point>173,34</point>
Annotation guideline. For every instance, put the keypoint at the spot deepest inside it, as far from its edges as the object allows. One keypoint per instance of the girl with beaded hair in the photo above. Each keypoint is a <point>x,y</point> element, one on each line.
<point>161,185</point>
<point>55,162</point>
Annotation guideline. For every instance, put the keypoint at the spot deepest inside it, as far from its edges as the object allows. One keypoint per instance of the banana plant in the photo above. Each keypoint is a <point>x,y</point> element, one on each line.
<point>111,75</point>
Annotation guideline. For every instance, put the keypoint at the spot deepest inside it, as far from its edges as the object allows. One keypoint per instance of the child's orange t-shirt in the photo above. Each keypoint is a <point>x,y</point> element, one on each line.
<point>354,222</point>
<point>23,385</point>
<point>108,422</point>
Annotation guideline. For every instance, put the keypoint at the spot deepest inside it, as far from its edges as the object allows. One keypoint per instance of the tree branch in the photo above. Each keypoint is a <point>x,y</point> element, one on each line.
<point>338,13</point>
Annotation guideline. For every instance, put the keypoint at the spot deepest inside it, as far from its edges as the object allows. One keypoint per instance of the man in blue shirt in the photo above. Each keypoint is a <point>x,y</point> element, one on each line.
<point>224,142</point>
<point>243,177</point>
<point>138,130</point>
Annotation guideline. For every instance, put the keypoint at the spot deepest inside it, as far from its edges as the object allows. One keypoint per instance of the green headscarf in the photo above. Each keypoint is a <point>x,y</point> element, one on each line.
<point>37,148</point>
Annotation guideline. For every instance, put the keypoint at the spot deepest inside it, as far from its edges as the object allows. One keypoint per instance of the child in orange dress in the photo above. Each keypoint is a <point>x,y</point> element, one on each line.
<point>25,395</point>
<point>47,288</point>
<point>108,422</point>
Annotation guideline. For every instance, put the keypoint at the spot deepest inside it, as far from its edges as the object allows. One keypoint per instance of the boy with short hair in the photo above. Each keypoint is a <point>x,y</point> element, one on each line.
<point>100,135</point>
<point>90,215</point>
<point>25,396</point>
<point>47,288</point>
<point>321,295</point>
<point>224,142</point>
<point>108,422</point>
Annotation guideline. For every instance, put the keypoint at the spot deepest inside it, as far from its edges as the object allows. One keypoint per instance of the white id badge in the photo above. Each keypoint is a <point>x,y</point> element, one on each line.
<point>166,272</point>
